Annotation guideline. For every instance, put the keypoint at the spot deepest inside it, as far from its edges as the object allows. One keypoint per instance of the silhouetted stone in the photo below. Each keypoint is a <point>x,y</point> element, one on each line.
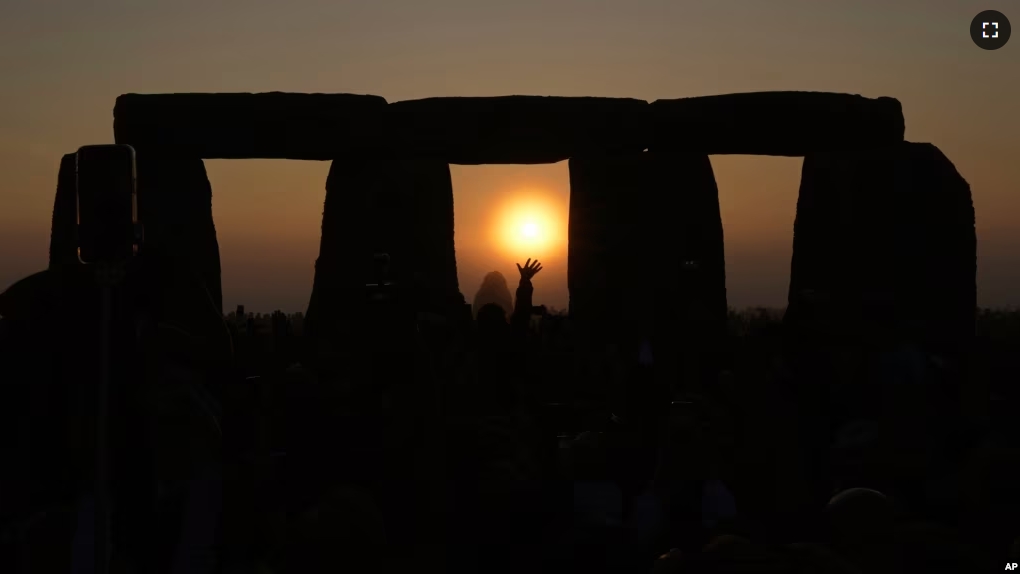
<point>603,231</point>
<point>412,219</point>
<point>506,129</point>
<point>885,250</point>
<point>775,123</point>
<point>645,253</point>
<point>882,301</point>
<point>175,209</point>
<point>271,125</point>
<point>64,225</point>
<point>402,208</point>
<point>516,129</point>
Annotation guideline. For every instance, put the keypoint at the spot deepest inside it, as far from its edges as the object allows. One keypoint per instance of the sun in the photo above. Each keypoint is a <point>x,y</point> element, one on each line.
<point>529,224</point>
<point>530,230</point>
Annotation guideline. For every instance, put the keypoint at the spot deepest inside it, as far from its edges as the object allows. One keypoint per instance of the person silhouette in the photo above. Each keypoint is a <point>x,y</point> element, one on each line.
<point>505,494</point>
<point>491,315</point>
<point>493,291</point>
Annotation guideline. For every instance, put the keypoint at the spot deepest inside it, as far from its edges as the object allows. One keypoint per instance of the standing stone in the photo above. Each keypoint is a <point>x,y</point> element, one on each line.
<point>882,300</point>
<point>884,251</point>
<point>412,220</point>
<point>645,253</point>
<point>175,209</point>
<point>402,208</point>
<point>64,225</point>
<point>339,269</point>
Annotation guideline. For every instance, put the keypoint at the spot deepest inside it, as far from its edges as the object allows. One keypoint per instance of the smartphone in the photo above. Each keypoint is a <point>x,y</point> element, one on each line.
<point>108,229</point>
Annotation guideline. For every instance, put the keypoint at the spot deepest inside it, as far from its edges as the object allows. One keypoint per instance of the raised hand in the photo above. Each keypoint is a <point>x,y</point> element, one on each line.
<point>530,269</point>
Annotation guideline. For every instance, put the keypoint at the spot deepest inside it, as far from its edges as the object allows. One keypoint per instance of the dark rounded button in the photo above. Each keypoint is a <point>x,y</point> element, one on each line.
<point>990,30</point>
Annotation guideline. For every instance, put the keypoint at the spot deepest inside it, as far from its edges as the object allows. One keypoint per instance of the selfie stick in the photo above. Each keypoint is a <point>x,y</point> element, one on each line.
<point>108,275</point>
<point>102,487</point>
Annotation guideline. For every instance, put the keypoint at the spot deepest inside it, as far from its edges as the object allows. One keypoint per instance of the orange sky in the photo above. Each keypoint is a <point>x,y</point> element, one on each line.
<point>63,64</point>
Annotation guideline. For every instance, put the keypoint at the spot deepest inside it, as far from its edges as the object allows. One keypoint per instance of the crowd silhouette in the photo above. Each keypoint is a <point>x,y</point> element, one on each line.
<point>494,446</point>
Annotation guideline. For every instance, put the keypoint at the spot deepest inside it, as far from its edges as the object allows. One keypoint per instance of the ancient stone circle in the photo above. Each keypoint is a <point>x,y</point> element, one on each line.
<point>884,238</point>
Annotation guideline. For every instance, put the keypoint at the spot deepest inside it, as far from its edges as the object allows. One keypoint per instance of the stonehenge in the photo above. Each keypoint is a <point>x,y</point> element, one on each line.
<point>884,231</point>
<point>884,250</point>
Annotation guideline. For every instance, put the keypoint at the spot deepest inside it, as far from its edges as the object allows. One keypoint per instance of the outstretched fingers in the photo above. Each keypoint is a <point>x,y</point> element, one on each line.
<point>530,268</point>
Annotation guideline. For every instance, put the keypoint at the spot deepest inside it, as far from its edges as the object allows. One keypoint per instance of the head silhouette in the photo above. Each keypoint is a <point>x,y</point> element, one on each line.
<point>493,291</point>
<point>491,321</point>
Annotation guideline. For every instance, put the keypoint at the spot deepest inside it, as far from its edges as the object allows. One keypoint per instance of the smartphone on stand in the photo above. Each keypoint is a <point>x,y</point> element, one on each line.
<point>109,232</point>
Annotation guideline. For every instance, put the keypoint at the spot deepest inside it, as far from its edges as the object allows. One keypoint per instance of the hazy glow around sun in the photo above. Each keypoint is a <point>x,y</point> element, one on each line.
<point>530,225</point>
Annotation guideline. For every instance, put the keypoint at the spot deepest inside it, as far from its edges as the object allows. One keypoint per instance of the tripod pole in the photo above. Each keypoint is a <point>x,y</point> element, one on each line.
<point>106,279</point>
<point>102,488</point>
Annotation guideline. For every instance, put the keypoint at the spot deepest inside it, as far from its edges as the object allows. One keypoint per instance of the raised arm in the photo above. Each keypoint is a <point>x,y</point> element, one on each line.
<point>523,303</point>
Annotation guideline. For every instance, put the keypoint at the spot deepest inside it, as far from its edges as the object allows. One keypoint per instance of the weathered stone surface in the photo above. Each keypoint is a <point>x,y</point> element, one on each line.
<point>403,208</point>
<point>271,125</point>
<point>775,123</point>
<point>516,129</point>
<point>645,254</point>
<point>175,209</point>
<point>64,224</point>
<point>884,251</point>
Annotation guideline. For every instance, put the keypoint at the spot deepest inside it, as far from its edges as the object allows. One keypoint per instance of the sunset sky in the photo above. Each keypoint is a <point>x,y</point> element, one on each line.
<point>63,63</point>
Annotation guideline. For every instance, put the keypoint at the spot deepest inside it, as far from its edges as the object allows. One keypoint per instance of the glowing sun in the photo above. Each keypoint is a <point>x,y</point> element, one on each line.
<point>530,226</point>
